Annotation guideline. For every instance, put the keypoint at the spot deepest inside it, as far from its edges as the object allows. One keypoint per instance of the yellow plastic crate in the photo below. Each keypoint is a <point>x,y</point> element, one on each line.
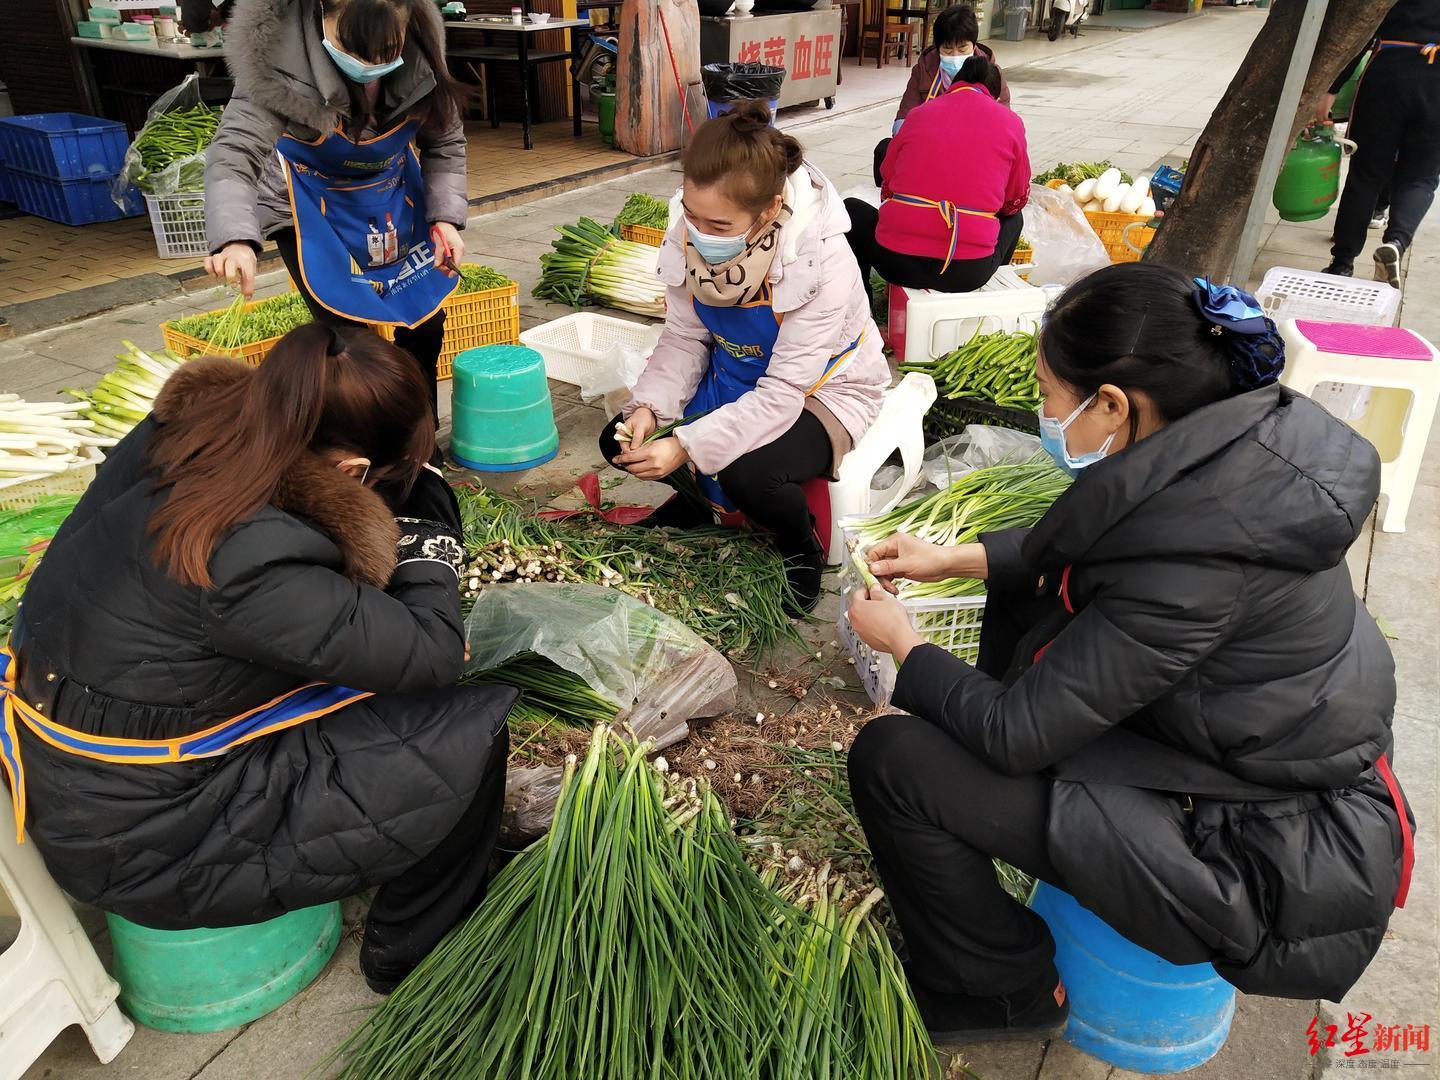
<point>186,345</point>
<point>643,234</point>
<point>1112,229</point>
<point>473,319</point>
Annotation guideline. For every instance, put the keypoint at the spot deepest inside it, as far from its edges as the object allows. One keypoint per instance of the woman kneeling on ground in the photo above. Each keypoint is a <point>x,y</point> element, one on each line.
<point>768,343</point>
<point>238,661</point>
<point>1180,712</point>
<point>948,222</point>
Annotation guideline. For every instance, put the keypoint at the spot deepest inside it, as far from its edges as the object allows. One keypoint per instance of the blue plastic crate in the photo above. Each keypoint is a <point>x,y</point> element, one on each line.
<point>71,202</point>
<point>6,194</point>
<point>63,146</point>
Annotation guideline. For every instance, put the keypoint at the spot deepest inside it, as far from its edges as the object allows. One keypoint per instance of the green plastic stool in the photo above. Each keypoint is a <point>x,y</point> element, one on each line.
<point>191,981</point>
<point>500,412</point>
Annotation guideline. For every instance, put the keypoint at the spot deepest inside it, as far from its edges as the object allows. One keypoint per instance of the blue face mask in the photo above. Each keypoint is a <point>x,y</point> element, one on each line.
<point>951,65</point>
<point>356,71</point>
<point>715,249</point>
<point>1052,440</point>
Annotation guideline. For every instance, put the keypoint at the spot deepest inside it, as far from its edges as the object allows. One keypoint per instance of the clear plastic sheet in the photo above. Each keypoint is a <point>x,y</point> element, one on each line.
<point>977,447</point>
<point>1065,245</point>
<point>185,174</point>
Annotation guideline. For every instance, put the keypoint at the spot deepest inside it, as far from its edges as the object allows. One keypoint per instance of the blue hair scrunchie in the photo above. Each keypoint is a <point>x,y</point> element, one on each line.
<point>1257,352</point>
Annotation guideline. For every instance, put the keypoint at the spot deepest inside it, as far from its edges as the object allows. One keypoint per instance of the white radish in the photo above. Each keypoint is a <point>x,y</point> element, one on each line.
<point>1066,188</point>
<point>1147,207</point>
<point>1142,185</point>
<point>1106,185</point>
<point>1115,198</point>
<point>1085,192</point>
<point>1132,200</point>
<point>1094,206</point>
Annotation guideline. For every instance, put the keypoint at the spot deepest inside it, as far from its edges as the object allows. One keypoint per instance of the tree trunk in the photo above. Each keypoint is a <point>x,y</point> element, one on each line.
<point>1202,229</point>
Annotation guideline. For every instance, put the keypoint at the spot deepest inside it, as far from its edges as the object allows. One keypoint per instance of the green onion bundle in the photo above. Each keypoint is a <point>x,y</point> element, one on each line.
<point>125,395</point>
<point>236,326</point>
<point>591,264</point>
<point>646,210</point>
<point>1004,496</point>
<point>175,136</point>
<point>998,368</point>
<point>476,278</point>
<point>633,940</point>
<point>546,686</point>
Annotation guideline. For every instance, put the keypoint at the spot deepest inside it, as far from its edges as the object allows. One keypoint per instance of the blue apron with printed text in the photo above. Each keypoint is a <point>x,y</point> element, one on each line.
<point>363,242</point>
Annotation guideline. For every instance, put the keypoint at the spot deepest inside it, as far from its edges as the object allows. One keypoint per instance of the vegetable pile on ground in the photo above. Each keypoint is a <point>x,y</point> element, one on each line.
<point>476,278</point>
<point>125,395</point>
<point>727,586</point>
<point>551,699</point>
<point>24,536</point>
<point>43,438</point>
<point>590,264</point>
<point>646,210</point>
<point>171,137</point>
<point>239,324</point>
<point>1077,172</point>
<point>1004,496</point>
<point>634,940</point>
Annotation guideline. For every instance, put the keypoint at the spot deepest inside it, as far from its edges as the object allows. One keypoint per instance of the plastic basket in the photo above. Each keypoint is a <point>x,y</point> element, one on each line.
<point>643,234</point>
<point>573,345</point>
<point>1287,293</point>
<point>186,345</point>
<point>71,202</point>
<point>179,224</point>
<point>954,625</point>
<point>7,192</point>
<point>21,493</point>
<point>473,319</point>
<point>1111,229</point>
<point>63,146</point>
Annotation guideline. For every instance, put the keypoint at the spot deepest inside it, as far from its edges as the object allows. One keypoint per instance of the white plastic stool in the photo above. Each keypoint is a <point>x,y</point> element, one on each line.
<point>925,325</point>
<point>1404,371</point>
<point>898,427</point>
<point>50,976</point>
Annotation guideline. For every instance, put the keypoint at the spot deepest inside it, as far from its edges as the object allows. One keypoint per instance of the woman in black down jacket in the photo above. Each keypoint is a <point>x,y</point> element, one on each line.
<point>233,549</point>
<point>1180,712</point>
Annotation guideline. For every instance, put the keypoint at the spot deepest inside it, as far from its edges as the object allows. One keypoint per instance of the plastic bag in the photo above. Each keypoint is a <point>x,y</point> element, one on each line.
<point>618,369</point>
<point>1065,246</point>
<point>658,670</point>
<point>184,174</point>
<point>742,82</point>
<point>977,447</point>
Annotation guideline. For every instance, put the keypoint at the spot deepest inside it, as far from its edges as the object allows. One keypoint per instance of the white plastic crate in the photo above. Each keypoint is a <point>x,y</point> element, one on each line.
<point>935,323</point>
<point>178,222</point>
<point>23,492</point>
<point>954,625</point>
<point>574,344</point>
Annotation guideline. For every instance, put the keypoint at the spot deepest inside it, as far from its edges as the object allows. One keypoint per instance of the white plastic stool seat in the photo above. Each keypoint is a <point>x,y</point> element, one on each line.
<point>50,976</point>
<point>898,427</point>
<point>935,323</point>
<point>1404,371</point>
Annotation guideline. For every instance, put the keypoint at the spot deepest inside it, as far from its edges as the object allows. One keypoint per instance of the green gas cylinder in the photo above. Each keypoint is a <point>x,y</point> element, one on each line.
<point>1345,99</point>
<point>1309,181</point>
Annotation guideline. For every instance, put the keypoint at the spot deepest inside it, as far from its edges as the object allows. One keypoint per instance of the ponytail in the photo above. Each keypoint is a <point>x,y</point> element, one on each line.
<point>743,151</point>
<point>981,70</point>
<point>321,388</point>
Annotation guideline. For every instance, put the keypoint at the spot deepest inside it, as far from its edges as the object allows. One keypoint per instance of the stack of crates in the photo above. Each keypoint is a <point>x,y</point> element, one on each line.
<point>61,166</point>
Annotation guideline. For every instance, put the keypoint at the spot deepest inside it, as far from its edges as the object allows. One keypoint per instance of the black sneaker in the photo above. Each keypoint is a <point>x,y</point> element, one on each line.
<point>1038,1011</point>
<point>1341,268</point>
<point>1387,263</point>
<point>679,512</point>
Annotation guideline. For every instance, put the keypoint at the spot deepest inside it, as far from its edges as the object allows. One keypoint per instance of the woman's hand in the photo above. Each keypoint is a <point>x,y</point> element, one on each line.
<point>654,461</point>
<point>641,423</point>
<point>448,245</point>
<point>883,623</point>
<point>235,263</point>
<point>903,556</point>
<point>1323,107</point>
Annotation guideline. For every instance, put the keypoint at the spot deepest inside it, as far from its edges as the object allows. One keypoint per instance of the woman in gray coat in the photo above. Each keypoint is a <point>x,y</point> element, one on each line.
<point>344,143</point>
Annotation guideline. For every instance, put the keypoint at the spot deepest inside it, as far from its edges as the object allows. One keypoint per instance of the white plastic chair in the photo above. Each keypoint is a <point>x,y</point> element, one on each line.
<point>50,976</point>
<point>932,324</point>
<point>1404,371</point>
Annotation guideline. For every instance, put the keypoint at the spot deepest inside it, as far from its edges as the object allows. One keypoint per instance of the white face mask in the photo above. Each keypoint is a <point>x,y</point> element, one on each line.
<point>716,249</point>
<point>1052,440</point>
<point>951,65</point>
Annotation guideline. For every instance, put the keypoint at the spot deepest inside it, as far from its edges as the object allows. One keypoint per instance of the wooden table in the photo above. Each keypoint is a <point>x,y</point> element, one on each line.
<point>518,51</point>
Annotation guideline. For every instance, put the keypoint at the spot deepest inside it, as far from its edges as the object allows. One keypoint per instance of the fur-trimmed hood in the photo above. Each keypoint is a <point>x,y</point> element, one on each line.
<point>353,516</point>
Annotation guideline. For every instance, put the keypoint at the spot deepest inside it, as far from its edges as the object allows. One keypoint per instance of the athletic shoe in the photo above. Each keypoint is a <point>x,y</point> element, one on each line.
<point>1037,1011</point>
<point>1380,220</point>
<point>1341,268</point>
<point>1387,263</point>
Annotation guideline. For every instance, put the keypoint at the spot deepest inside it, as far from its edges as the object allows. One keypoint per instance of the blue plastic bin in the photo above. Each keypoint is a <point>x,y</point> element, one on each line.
<point>720,108</point>
<point>63,146</point>
<point>7,192</point>
<point>1128,1006</point>
<point>71,202</point>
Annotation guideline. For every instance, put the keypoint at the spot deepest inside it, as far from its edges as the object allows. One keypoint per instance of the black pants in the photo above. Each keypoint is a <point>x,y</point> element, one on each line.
<point>1396,124</point>
<point>935,815</point>
<point>765,483</point>
<point>919,271</point>
<point>881,149</point>
<point>410,914</point>
<point>423,342</point>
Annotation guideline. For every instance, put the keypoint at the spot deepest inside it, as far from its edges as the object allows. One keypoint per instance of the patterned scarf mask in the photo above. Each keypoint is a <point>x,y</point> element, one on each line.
<point>739,280</point>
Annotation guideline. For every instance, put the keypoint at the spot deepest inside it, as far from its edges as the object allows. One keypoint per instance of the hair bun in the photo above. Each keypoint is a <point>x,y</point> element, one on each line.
<point>751,116</point>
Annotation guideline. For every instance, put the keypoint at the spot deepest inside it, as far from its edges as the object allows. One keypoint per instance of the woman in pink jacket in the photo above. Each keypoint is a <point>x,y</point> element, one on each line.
<point>954,181</point>
<point>768,343</point>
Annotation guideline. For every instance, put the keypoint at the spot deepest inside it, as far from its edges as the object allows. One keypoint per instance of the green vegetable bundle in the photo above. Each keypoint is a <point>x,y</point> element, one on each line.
<point>239,325</point>
<point>728,587</point>
<point>476,278</point>
<point>1078,172</point>
<point>1005,496</point>
<point>24,536</point>
<point>175,136</point>
<point>633,940</point>
<point>125,395</point>
<point>998,368</point>
<point>549,688</point>
<point>591,264</point>
<point>646,210</point>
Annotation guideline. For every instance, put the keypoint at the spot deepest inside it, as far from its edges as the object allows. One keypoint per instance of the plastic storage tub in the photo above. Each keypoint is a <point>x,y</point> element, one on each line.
<point>71,202</point>
<point>63,146</point>
<point>573,345</point>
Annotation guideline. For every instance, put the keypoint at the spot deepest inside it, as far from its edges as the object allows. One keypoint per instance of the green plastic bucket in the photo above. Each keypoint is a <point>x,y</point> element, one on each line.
<point>605,105</point>
<point>192,981</point>
<point>500,412</point>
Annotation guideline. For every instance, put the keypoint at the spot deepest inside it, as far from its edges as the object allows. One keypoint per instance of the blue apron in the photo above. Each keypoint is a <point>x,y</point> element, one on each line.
<point>744,339</point>
<point>363,242</point>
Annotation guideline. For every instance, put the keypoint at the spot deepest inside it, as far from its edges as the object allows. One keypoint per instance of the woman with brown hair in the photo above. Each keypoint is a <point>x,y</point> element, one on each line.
<point>234,672</point>
<point>344,143</point>
<point>768,347</point>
